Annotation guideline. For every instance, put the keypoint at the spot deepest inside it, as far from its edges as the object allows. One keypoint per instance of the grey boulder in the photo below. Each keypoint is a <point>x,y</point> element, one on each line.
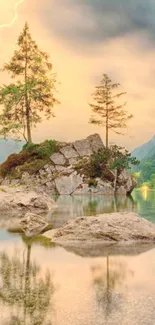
<point>66,185</point>
<point>33,224</point>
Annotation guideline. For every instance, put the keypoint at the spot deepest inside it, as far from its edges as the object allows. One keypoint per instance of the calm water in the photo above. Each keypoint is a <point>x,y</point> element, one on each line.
<point>43,284</point>
<point>70,207</point>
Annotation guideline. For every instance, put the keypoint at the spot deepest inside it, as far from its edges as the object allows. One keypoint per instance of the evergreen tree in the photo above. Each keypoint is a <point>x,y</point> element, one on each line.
<point>31,97</point>
<point>108,112</point>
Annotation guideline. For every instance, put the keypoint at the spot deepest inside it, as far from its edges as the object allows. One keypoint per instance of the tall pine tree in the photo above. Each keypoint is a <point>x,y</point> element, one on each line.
<point>107,112</point>
<point>31,97</point>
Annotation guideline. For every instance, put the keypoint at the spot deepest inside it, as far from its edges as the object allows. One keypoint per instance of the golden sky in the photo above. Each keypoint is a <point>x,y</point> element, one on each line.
<point>85,39</point>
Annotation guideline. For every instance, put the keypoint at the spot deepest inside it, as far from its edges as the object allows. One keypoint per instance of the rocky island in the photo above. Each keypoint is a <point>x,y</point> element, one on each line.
<point>82,167</point>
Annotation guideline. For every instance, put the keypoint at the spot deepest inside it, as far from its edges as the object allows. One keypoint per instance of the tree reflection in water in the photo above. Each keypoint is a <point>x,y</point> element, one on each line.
<point>108,204</point>
<point>26,294</point>
<point>105,280</point>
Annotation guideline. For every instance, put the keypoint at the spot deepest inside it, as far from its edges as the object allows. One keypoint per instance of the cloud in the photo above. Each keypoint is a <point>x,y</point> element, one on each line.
<point>62,28</point>
<point>90,22</point>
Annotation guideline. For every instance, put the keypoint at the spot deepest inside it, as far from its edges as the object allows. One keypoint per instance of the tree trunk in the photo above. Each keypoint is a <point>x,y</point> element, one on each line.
<point>115,181</point>
<point>107,136</point>
<point>28,124</point>
<point>107,127</point>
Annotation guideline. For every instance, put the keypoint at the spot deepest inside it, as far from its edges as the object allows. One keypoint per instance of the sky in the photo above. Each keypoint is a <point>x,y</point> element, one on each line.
<point>86,38</point>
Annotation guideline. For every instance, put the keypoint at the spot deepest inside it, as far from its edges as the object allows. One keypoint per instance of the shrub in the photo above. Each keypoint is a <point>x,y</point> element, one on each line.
<point>30,147</point>
<point>12,162</point>
<point>32,158</point>
<point>104,161</point>
<point>33,167</point>
<point>47,148</point>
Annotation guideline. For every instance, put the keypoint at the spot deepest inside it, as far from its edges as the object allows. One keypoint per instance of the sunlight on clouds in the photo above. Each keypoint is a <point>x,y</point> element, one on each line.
<point>123,58</point>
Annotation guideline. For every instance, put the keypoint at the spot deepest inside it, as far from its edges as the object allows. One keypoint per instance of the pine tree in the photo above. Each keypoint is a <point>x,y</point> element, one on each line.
<point>108,112</point>
<point>31,97</point>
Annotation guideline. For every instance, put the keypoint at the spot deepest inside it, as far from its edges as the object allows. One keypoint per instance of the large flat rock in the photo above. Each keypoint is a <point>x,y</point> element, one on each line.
<point>106,228</point>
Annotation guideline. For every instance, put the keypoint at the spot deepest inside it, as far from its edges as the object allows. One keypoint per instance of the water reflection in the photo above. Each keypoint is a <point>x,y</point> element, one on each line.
<point>105,280</point>
<point>74,206</point>
<point>145,204</point>
<point>114,290</point>
<point>70,207</point>
<point>24,292</point>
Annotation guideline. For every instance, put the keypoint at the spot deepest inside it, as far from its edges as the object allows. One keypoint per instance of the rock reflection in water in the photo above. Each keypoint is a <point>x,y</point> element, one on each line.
<point>24,293</point>
<point>70,207</point>
<point>105,281</point>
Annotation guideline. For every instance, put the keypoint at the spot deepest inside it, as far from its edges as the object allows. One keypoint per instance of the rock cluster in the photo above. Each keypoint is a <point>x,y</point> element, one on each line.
<point>61,176</point>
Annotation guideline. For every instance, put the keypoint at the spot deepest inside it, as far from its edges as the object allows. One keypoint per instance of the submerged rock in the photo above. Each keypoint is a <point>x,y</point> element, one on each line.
<point>17,201</point>
<point>106,228</point>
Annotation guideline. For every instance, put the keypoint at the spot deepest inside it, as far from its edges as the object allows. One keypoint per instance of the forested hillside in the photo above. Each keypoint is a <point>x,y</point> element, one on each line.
<point>145,172</point>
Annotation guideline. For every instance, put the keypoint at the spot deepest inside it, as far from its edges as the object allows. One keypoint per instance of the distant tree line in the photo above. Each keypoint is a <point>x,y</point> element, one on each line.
<point>145,173</point>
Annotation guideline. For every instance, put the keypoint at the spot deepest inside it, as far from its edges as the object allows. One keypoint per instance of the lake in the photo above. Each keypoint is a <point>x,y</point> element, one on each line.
<point>141,202</point>
<point>44,284</point>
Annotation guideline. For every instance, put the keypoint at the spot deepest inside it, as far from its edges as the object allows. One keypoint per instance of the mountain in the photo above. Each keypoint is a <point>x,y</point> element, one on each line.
<point>146,151</point>
<point>7,147</point>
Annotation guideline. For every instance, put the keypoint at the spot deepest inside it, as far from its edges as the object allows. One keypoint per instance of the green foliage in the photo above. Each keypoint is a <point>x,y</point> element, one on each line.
<point>114,157</point>
<point>29,146</point>
<point>31,96</point>
<point>152,181</point>
<point>107,111</point>
<point>32,167</point>
<point>105,161</point>
<point>99,165</point>
<point>122,159</point>
<point>47,148</point>
<point>31,159</point>
<point>147,169</point>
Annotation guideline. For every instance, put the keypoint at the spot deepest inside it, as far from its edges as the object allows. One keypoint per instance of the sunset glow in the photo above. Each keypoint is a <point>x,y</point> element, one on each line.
<point>15,11</point>
<point>84,40</point>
